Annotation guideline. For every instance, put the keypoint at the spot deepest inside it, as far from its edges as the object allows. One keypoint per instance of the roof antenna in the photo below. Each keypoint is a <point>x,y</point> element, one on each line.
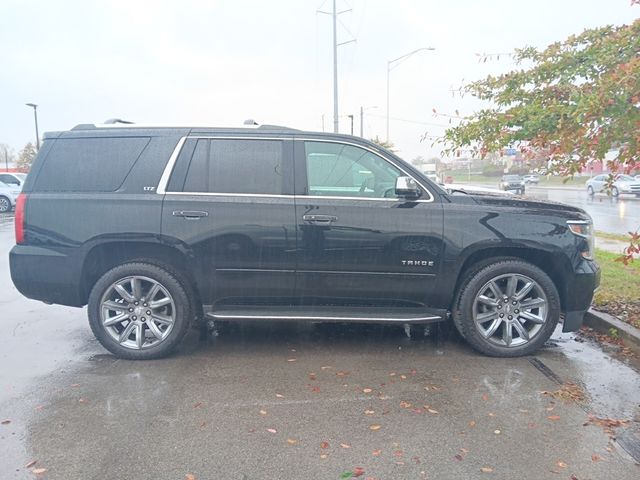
<point>250,121</point>
<point>112,121</point>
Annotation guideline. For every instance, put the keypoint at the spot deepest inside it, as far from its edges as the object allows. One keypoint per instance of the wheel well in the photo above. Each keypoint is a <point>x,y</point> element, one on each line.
<point>545,261</point>
<point>104,257</point>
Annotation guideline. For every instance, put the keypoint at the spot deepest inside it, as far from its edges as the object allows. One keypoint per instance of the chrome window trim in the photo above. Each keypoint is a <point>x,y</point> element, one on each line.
<point>168,169</point>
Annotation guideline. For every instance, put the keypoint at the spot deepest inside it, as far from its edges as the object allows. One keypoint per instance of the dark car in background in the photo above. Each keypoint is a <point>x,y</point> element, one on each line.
<point>156,229</point>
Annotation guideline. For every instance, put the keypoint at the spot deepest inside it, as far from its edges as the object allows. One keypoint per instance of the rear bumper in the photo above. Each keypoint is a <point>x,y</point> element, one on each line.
<point>579,294</point>
<point>45,274</point>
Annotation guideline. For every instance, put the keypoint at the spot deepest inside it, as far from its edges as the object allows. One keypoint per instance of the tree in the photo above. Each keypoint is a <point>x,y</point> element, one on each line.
<point>573,101</point>
<point>384,144</point>
<point>26,156</point>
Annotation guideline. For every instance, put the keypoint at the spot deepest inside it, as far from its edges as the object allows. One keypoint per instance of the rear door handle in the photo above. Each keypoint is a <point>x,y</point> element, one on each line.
<point>319,219</point>
<point>190,214</point>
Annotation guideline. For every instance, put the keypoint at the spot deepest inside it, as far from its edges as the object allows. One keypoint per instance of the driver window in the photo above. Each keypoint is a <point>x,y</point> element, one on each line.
<point>338,170</point>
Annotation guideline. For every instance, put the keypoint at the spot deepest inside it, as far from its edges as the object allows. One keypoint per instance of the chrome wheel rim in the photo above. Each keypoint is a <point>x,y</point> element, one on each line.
<point>510,310</point>
<point>4,205</point>
<point>137,312</point>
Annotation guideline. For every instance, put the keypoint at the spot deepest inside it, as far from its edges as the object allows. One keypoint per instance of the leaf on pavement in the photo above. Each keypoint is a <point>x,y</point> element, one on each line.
<point>375,427</point>
<point>292,441</point>
<point>197,405</point>
<point>38,471</point>
<point>376,453</point>
<point>279,395</point>
<point>272,430</point>
<point>485,397</point>
<point>263,412</point>
<point>404,404</point>
<point>458,457</point>
<point>561,464</point>
<point>486,469</point>
<point>431,410</point>
<point>346,475</point>
<point>595,458</point>
<point>324,445</point>
<point>189,476</point>
<point>497,432</point>
<point>291,359</point>
<point>326,367</point>
<point>342,374</point>
<point>554,417</point>
<point>367,390</point>
<point>5,422</point>
<point>345,445</point>
<point>75,385</point>
<point>369,412</point>
<point>358,471</point>
<point>323,456</point>
<point>472,423</point>
<point>31,464</point>
<point>312,376</point>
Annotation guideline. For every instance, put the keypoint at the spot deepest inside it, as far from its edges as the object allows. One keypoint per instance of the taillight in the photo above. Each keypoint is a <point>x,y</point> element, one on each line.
<point>21,203</point>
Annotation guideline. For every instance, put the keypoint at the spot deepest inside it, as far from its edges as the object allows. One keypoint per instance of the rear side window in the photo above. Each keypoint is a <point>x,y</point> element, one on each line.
<point>89,164</point>
<point>235,166</point>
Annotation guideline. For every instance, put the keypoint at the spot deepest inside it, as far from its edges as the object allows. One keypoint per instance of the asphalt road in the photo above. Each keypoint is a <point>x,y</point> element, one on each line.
<point>293,401</point>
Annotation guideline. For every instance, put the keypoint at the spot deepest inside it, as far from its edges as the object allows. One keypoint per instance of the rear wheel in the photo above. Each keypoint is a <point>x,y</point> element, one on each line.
<point>590,191</point>
<point>509,308</point>
<point>139,311</point>
<point>5,205</point>
<point>614,191</point>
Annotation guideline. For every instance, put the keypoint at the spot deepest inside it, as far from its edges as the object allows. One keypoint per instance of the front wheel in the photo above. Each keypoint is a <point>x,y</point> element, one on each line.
<point>139,311</point>
<point>509,308</point>
<point>615,192</point>
<point>590,191</point>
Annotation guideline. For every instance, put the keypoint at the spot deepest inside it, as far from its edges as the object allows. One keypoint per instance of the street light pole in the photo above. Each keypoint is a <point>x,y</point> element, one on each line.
<point>390,67</point>
<point>362,109</point>
<point>351,118</point>
<point>35,116</point>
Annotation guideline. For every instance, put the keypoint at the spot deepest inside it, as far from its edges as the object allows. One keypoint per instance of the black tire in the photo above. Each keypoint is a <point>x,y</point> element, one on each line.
<point>590,191</point>
<point>174,284</point>
<point>477,279</point>
<point>614,191</point>
<point>5,204</point>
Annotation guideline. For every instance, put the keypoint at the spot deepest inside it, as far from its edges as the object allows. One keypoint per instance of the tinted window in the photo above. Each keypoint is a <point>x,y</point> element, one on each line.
<point>89,164</point>
<point>339,170</point>
<point>9,179</point>
<point>236,166</point>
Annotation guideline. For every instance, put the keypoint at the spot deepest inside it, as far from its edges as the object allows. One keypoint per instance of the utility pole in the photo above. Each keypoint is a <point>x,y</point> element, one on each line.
<point>35,116</point>
<point>6,160</point>
<point>362,109</point>
<point>334,14</point>
<point>351,117</point>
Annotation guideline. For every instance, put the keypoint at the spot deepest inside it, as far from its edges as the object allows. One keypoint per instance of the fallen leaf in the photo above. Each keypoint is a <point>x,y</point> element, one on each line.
<point>573,477</point>
<point>272,430</point>
<point>326,367</point>
<point>367,390</point>
<point>486,469</point>
<point>464,450</point>
<point>398,453</point>
<point>38,471</point>
<point>279,395</point>
<point>315,389</point>
<point>312,376</point>
<point>491,414</point>
<point>31,464</point>
<point>291,359</point>
<point>82,400</point>
<point>369,412</point>
<point>561,464</point>
<point>376,453</point>
<point>291,441</point>
<point>403,377</point>
<point>203,424</point>
<point>375,427</point>
<point>323,455</point>
<point>342,374</point>
<point>404,404</point>
<point>458,457</point>
<point>485,397</point>
<point>346,475</point>
<point>392,374</point>
<point>5,422</point>
<point>554,417</point>
<point>39,407</point>
<point>595,458</point>
<point>345,445</point>
<point>358,471</point>
<point>472,423</point>
<point>324,445</point>
<point>263,412</point>
<point>197,405</point>
<point>189,476</point>
<point>75,385</point>
<point>497,432</point>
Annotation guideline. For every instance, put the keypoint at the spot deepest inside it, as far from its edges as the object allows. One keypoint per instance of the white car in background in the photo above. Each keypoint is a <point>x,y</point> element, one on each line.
<point>473,189</point>
<point>13,179</point>
<point>621,184</point>
<point>8,196</point>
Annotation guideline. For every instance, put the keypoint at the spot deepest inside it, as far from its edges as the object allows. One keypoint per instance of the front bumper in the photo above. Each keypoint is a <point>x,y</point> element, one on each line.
<point>578,294</point>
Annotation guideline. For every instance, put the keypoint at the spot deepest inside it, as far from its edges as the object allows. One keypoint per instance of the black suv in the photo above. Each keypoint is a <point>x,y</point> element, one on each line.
<point>155,228</point>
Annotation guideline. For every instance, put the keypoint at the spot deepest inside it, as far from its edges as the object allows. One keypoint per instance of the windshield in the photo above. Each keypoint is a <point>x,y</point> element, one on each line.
<point>625,178</point>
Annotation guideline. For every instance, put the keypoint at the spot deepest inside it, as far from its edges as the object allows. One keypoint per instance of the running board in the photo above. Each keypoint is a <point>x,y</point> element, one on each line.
<point>328,314</point>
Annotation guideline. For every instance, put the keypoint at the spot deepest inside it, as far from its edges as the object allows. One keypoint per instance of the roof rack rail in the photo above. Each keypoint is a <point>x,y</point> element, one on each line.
<point>112,121</point>
<point>84,126</point>
<point>277,127</point>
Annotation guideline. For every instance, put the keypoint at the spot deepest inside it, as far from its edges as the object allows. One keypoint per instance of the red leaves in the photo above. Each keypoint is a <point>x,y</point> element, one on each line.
<point>324,445</point>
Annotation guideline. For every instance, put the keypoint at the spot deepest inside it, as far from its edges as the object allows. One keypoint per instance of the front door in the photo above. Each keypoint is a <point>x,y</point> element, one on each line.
<point>229,205</point>
<point>358,242</point>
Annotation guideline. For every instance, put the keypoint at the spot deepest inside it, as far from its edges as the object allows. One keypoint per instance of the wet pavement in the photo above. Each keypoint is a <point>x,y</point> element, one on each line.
<point>272,400</point>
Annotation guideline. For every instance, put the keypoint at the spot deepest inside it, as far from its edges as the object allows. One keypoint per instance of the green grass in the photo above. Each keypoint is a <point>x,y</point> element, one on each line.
<point>613,236</point>
<point>619,287</point>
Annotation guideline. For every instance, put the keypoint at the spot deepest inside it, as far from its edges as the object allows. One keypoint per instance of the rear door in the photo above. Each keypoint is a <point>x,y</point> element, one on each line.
<point>229,205</point>
<point>357,241</point>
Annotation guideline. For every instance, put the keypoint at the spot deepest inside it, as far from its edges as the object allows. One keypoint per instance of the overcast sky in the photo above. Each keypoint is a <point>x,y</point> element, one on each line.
<point>217,63</point>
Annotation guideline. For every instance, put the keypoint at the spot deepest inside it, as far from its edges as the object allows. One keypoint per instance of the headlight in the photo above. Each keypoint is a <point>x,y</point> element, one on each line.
<point>583,229</point>
<point>624,187</point>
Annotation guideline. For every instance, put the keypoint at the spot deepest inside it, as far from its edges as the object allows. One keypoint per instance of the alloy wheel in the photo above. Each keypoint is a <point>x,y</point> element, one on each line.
<point>510,310</point>
<point>137,312</point>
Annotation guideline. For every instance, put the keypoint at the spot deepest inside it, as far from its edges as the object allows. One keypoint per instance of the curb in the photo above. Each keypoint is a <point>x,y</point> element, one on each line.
<point>602,322</point>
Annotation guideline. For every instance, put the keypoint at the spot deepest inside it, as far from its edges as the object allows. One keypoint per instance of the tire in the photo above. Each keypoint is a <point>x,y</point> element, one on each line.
<point>5,204</point>
<point>614,191</point>
<point>590,191</point>
<point>535,315</point>
<point>118,310</point>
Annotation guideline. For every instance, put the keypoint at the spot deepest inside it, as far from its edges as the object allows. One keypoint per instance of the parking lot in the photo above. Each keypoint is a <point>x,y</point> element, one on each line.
<point>273,400</point>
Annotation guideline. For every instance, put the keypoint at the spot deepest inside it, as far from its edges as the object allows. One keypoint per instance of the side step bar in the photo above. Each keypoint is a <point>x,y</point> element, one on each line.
<point>327,314</point>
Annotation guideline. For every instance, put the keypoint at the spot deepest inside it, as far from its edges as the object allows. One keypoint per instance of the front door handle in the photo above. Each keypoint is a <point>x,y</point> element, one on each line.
<point>190,214</point>
<point>319,219</point>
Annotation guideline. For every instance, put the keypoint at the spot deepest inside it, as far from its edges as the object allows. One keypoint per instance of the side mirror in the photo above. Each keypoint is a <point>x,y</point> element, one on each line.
<point>407,187</point>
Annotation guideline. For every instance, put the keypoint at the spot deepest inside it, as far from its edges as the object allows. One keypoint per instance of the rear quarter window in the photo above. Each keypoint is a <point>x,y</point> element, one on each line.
<point>89,164</point>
